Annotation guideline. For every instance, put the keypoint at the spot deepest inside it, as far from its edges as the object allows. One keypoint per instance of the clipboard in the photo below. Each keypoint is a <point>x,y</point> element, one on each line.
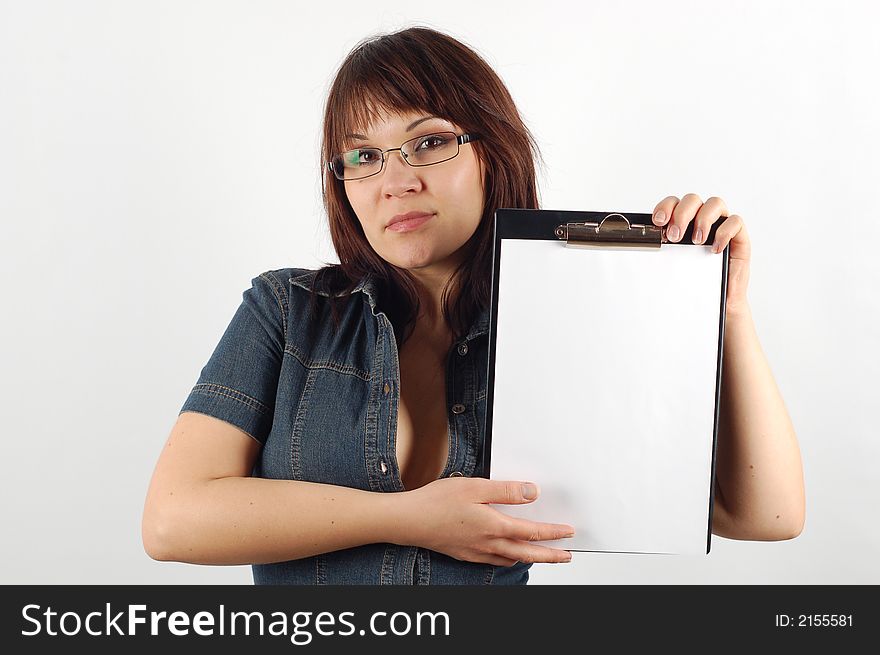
<point>604,377</point>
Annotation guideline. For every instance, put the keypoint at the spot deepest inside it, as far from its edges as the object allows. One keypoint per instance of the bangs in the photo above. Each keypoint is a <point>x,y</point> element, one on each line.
<point>365,109</point>
<point>379,81</point>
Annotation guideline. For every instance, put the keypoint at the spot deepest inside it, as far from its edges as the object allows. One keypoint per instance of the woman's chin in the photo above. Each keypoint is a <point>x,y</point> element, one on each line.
<point>414,259</point>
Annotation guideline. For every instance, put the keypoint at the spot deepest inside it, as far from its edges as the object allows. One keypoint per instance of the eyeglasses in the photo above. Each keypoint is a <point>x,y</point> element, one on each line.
<point>424,150</point>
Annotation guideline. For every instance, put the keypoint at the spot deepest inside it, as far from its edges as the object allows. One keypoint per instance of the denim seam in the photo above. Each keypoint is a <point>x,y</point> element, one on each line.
<point>424,559</point>
<point>471,420</point>
<point>474,431</point>
<point>412,556</point>
<point>371,423</point>
<point>320,570</point>
<point>295,454</point>
<point>326,364</point>
<point>209,388</point>
<point>393,416</point>
<point>276,287</point>
<point>452,431</point>
<point>386,575</point>
<point>490,575</point>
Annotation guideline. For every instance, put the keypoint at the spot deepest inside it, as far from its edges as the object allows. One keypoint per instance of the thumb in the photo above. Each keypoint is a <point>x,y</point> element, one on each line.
<point>513,493</point>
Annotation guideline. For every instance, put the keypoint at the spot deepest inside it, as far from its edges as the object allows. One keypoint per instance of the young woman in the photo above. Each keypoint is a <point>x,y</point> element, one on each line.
<point>335,434</point>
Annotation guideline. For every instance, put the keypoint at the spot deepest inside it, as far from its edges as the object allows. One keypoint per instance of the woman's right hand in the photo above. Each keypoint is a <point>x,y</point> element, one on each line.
<point>453,516</point>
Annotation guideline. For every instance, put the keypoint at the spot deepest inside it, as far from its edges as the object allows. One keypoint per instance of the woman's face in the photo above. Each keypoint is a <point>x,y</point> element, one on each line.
<point>451,191</point>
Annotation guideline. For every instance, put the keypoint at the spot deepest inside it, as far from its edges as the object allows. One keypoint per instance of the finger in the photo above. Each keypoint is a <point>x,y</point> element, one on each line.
<point>709,213</point>
<point>526,530</point>
<point>497,560</point>
<point>530,553</point>
<point>727,231</point>
<point>510,492</point>
<point>664,210</point>
<point>682,215</point>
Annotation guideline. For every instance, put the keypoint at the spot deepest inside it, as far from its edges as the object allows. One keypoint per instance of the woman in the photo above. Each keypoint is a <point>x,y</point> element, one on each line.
<point>334,435</point>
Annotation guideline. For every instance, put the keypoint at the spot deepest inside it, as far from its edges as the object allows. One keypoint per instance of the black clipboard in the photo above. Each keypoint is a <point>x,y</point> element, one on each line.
<point>606,233</point>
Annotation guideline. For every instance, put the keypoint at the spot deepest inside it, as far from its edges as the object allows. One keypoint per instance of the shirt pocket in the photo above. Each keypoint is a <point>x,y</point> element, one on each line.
<point>328,433</point>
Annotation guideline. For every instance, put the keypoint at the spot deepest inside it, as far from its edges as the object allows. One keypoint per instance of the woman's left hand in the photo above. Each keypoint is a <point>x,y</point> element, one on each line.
<point>677,214</point>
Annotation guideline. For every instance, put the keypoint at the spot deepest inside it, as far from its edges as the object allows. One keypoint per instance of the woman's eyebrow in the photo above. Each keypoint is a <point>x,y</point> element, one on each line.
<point>409,128</point>
<point>413,125</point>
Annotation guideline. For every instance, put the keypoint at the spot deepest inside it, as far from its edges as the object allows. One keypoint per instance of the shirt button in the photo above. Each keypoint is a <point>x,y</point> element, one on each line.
<point>456,474</point>
<point>382,466</point>
<point>457,408</point>
<point>462,349</point>
<point>387,387</point>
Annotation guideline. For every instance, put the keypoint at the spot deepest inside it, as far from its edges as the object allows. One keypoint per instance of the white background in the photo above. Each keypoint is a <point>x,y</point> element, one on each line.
<point>155,156</point>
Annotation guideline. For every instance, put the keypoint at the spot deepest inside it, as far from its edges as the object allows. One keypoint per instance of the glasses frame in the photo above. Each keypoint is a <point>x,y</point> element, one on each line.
<point>460,139</point>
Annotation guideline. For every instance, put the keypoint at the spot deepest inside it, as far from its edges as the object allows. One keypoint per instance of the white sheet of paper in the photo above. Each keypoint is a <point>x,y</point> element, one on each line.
<point>605,380</point>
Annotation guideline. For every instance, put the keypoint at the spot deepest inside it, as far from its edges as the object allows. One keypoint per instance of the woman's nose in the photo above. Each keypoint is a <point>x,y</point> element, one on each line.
<point>398,174</point>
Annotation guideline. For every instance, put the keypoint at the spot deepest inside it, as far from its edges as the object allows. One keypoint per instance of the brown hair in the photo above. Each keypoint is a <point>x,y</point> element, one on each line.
<point>421,69</point>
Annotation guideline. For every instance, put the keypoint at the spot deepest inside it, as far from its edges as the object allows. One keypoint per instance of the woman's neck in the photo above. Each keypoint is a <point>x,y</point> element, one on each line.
<point>430,283</point>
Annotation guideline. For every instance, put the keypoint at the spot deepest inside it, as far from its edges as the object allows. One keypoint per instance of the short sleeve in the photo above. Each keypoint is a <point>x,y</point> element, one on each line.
<point>240,380</point>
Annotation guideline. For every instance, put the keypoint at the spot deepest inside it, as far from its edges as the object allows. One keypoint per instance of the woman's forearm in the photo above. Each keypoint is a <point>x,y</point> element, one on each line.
<point>244,520</point>
<point>758,469</point>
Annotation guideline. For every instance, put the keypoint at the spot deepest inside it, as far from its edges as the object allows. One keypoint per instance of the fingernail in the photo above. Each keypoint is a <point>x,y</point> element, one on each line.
<point>529,491</point>
<point>673,233</point>
<point>698,237</point>
<point>660,217</point>
<point>568,559</point>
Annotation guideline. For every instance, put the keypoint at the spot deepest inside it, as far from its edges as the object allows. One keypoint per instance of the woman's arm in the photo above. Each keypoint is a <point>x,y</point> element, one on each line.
<point>759,485</point>
<point>202,508</point>
<point>759,478</point>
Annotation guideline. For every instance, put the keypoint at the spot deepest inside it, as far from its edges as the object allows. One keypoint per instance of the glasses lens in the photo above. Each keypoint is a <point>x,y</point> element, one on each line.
<point>420,151</point>
<point>431,148</point>
<point>355,164</point>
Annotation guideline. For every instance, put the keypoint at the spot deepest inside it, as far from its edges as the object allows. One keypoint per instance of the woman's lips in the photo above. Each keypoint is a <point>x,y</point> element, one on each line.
<point>409,224</point>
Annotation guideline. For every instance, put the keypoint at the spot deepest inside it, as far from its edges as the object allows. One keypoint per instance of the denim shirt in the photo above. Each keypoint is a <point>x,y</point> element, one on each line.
<point>323,403</point>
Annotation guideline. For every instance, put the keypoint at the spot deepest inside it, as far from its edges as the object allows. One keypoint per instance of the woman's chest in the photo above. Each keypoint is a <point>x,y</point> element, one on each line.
<point>422,436</point>
<point>376,417</point>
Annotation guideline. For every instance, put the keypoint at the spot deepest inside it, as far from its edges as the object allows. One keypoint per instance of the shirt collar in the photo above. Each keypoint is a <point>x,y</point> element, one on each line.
<point>369,287</point>
<point>480,326</point>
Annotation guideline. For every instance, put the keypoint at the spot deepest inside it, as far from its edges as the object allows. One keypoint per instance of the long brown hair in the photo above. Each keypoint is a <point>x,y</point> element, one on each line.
<point>421,69</point>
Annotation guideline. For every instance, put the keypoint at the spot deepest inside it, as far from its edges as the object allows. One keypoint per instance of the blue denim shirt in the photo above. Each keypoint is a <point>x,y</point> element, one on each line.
<point>323,403</point>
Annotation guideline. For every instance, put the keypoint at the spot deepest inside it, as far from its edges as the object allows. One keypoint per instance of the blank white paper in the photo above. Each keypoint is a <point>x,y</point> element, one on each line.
<point>604,390</point>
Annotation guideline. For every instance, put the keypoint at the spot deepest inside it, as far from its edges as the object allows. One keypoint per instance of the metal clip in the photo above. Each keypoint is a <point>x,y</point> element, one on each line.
<point>613,230</point>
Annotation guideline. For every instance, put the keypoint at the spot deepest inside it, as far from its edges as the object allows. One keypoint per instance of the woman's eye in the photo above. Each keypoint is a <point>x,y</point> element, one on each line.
<point>431,141</point>
<point>360,157</point>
